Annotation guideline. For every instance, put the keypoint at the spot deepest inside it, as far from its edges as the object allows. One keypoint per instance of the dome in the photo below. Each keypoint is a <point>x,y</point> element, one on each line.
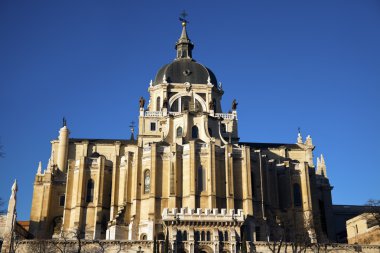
<point>185,70</point>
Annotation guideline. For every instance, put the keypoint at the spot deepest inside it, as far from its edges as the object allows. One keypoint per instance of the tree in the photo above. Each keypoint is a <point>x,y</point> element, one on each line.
<point>374,209</point>
<point>275,235</point>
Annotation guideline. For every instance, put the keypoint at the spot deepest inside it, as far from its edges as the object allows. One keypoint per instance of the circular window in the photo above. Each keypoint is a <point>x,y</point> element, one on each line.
<point>187,72</point>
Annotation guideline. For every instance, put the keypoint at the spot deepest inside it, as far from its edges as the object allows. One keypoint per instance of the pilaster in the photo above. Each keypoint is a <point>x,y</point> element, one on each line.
<point>98,200</point>
<point>193,175</point>
<point>115,181</point>
<point>173,177</point>
<point>211,184</point>
<point>247,184</point>
<point>153,181</point>
<point>80,196</point>
<point>229,177</point>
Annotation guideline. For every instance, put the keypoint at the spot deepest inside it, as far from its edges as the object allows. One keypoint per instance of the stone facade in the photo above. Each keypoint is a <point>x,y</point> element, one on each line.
<point>121,246</point>
<point>187,157</point>
<point>364,229</point>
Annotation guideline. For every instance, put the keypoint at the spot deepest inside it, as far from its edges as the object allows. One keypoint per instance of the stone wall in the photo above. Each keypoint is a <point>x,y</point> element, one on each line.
<point>108,246</point>
<point>263,247</point>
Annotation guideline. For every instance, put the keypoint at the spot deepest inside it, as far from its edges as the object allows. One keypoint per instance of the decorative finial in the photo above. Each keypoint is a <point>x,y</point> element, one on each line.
<point>309,141</point>
<point>151,83</point>
<point>132,128</point>
<point>322,159</point>
<point>14,189</point>
<point>182,18</point>
<point>64,123</point>
<point>39,170</point>
<point>299,138</point>
<point>321,166</point>
<point>49,165</point>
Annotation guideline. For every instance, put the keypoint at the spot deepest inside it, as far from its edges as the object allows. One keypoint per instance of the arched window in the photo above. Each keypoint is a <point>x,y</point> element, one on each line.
<point>201,179</point>
<point>220,233</point>
<point>196,236</point>
<point>297,195</point>
<point>147,181</point>
<point>203,236</point>
<point>179,236</point>
<point>174,107</point>
<point>225,235</point>
<point>179,132</point>
<point>158,104</point>
<point>185,103</point>
<point>208,236</point>
<point>194,132</point>
<point>143,237</point>
<point>90,191</point>
<point>184,236</point>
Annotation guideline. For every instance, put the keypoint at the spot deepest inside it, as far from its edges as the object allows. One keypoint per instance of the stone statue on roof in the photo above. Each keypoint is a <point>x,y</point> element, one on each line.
<point>142,102</point>
<point>234,105</point>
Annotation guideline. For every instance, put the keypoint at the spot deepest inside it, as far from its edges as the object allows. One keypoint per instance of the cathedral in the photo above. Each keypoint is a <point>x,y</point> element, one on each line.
<point>186,177</point>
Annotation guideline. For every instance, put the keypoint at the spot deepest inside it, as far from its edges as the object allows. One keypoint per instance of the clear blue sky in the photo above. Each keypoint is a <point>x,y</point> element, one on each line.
<point>290,64</point>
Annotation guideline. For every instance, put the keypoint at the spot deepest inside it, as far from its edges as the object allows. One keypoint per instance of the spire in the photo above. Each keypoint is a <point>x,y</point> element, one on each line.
<point>39,170</point>
<point>14,189</point>
<point>184,46</point>
<point>321,166</point>
<point>309,141</point>
<point>322,159</point>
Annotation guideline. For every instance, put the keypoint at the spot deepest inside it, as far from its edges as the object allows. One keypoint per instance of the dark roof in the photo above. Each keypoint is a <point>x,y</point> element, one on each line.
<point>185,70</point>
<point>269,145</point>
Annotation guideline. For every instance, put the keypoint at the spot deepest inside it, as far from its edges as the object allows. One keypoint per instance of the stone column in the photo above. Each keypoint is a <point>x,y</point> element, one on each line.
<point>153,181</point>
<point>115,181</point>
<point>193,175</point>
<point>98,197</point>
<point>173,177</point>
<point>190,247</point>
<point>307,201</point>
<point>229,177</point>
<point>216,239</point>
<point>247,184</point>
<point>211,185</point>
<point>79,184</point>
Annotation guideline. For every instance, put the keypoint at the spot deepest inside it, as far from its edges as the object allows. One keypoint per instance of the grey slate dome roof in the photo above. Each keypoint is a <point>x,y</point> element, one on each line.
<point>185,70</point>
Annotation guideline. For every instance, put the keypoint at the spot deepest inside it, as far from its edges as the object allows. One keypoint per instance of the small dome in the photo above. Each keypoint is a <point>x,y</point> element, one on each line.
<point>185,70</point>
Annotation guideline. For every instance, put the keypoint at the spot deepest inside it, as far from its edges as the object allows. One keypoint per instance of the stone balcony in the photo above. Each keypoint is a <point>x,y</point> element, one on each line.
<point>203,215</point>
